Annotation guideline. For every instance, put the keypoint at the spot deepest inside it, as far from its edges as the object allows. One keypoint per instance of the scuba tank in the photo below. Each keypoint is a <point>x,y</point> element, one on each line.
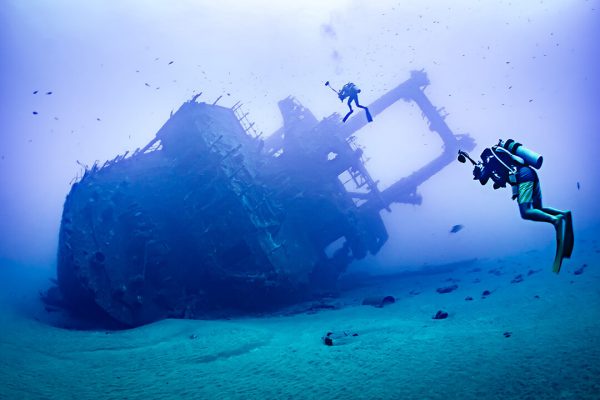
<point>530,157</point>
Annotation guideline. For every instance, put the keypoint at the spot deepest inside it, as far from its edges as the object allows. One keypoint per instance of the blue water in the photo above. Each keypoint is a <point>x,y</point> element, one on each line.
<point>85,82</point>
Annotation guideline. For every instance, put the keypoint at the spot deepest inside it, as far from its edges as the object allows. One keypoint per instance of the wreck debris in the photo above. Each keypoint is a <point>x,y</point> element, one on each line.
<point>338,338</point>
<point>210,216</point>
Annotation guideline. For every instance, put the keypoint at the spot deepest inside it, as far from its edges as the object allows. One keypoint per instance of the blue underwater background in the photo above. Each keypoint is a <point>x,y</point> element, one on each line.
<point>458,301</point>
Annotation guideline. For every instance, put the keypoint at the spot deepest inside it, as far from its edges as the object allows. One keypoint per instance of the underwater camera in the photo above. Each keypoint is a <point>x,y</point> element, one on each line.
<point>484,170</point>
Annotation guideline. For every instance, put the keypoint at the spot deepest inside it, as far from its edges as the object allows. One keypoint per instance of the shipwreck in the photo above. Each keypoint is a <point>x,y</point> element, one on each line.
<point>212,216</point>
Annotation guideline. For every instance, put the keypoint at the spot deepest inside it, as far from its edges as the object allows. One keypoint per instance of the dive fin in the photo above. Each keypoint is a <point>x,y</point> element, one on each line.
<point>569,236</point>
<point>560,247</point>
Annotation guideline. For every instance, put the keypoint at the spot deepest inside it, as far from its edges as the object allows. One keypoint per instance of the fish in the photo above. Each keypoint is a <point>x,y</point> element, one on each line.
<point>48,93</point>
<point>171,62</point>
<point>456,228</point>
<point>36,92</point>
<point>578,186</point>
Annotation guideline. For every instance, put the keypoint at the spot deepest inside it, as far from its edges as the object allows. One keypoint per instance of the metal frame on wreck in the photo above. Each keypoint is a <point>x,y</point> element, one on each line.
<point>405,189</point>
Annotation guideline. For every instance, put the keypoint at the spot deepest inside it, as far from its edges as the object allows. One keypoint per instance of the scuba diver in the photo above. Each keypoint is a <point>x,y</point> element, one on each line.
<point>510,162</point>
<point>350,91</point>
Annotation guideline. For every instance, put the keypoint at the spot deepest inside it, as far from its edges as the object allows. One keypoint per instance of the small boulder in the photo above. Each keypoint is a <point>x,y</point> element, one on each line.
<point>337,338</point>
<point>440,315</point>
<point>517,279</point>
<point>447,289</point>
<point>378,301</point>
<point>579,270</point>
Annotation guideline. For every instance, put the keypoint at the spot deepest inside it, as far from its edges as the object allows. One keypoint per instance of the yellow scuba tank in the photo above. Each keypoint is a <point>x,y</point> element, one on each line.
<point>530,157</point>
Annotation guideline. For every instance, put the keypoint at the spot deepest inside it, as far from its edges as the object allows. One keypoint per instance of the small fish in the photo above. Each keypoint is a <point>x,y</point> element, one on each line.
<point>578,186</point>
<point>456,228</point>
<point>35,113</point>
<point>171,62</point>
<point>36,92</point>
<point>48,93</point>
<point>98,119</point>
<point>147,84</point>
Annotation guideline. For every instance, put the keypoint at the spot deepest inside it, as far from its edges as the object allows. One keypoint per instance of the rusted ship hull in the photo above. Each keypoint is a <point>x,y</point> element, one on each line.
<point>209,217</point>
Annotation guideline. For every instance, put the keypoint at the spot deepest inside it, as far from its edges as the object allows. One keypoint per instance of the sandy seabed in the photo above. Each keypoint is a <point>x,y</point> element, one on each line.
<point>400,352</point>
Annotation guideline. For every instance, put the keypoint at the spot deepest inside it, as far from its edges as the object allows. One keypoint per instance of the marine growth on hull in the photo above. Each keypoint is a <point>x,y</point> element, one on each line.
<point>212,217</point>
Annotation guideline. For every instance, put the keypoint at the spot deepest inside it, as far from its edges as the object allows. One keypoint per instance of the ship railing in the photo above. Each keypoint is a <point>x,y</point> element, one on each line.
<point>242,118</point>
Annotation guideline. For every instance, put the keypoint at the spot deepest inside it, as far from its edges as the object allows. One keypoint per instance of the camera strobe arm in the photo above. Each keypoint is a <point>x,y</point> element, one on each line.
<point>464,156</point>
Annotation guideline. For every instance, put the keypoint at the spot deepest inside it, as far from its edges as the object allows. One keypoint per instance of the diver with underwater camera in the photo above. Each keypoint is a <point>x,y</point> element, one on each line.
<point>509,162</point>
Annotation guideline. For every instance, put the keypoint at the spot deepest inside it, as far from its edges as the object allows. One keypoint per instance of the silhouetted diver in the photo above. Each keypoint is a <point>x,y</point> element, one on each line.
<point>351,91</point>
